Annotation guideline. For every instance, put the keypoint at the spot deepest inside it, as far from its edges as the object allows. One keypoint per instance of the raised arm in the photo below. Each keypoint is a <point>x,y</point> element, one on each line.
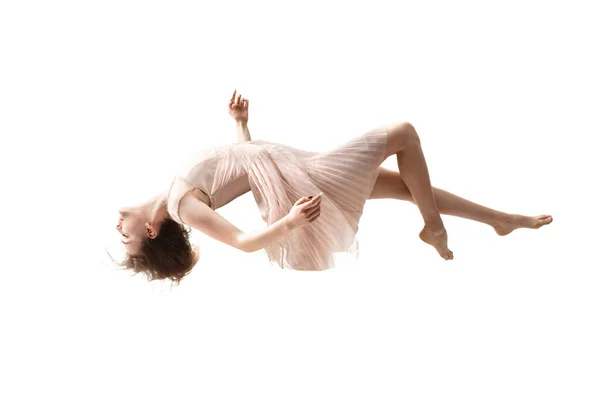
<point>243,134</point>
<point>238,109</point>
<point>200,216</point>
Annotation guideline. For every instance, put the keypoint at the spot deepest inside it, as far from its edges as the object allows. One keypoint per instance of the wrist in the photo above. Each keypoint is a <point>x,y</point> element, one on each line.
<point>288,223</point>
<point>241,123</point>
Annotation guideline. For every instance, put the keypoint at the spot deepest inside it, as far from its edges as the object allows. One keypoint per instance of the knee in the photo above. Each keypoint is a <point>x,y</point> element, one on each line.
<point>408,131</point>
<point>404,134</point>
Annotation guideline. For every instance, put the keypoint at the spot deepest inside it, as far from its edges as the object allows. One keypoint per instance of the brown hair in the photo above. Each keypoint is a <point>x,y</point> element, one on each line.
<point>170,255</point>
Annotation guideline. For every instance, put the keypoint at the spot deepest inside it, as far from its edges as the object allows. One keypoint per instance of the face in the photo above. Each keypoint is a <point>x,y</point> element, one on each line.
<point>133,227</point>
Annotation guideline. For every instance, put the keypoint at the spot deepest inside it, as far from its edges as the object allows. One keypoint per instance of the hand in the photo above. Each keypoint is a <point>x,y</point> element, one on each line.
<point>305,211</point>
<point>238,108</point>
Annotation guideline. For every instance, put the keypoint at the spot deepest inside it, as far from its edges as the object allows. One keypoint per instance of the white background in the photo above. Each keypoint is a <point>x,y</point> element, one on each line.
<point>99,101</point>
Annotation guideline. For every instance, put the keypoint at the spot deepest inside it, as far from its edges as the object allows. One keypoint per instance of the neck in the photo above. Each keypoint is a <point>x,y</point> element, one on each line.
<point>157,208</point>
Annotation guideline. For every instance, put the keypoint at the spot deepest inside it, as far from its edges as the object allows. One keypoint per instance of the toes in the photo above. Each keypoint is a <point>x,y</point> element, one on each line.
<point>544,220</point>
<point>447,255</point>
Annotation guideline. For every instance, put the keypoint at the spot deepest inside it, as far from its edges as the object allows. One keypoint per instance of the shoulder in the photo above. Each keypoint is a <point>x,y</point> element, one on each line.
<point>191,208</point>
<point>180,189</point>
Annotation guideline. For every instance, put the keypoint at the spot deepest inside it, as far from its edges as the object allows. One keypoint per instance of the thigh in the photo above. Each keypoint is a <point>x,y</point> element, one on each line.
<point>390,185</point>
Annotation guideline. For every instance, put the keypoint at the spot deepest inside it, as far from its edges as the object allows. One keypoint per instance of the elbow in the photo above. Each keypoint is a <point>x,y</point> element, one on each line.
<point>248,249</point>
<point>245,248</point>
<point>245,245</point>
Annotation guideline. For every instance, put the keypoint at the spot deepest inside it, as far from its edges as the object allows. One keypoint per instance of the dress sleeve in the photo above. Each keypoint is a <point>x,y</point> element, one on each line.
<point>179,188</point>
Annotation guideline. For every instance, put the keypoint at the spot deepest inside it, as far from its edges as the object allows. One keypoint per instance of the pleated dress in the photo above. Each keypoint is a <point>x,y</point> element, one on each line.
<point>279,175</point>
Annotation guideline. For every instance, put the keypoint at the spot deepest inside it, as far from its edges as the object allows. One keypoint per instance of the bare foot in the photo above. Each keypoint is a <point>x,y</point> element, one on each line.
<point>438,238</point>
<point>513,222</point>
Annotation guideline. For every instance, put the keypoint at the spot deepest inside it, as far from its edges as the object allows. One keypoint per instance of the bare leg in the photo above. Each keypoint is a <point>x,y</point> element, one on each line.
<point>405,143</point>
<point>391,185</point>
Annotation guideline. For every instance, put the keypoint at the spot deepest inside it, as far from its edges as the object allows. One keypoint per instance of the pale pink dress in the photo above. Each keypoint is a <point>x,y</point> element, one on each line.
<point>278,176</point>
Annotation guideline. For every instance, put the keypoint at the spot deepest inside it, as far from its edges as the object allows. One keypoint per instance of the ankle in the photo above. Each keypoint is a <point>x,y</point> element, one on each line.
<point>434,225</point>
<point>502,219</point>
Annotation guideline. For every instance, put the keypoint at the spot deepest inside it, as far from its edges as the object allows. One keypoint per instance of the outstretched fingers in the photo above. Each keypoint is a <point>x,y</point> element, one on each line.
<point>237,101</point>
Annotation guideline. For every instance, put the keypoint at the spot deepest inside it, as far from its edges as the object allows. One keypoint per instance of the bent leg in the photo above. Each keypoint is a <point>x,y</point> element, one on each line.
<point>404,141</point>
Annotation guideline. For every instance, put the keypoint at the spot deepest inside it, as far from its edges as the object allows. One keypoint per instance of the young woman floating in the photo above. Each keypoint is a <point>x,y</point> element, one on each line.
<point>311,201</point>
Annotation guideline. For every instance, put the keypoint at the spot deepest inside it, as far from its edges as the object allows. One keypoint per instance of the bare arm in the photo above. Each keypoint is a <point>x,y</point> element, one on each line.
<point>200,216</point>
<point>243,134</point>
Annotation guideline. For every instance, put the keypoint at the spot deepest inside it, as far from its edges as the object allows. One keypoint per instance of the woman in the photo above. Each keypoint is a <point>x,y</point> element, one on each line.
<point>312,202</point>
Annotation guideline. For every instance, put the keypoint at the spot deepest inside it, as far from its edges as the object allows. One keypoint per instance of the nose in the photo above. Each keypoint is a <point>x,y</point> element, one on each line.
<point>119,224</point>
